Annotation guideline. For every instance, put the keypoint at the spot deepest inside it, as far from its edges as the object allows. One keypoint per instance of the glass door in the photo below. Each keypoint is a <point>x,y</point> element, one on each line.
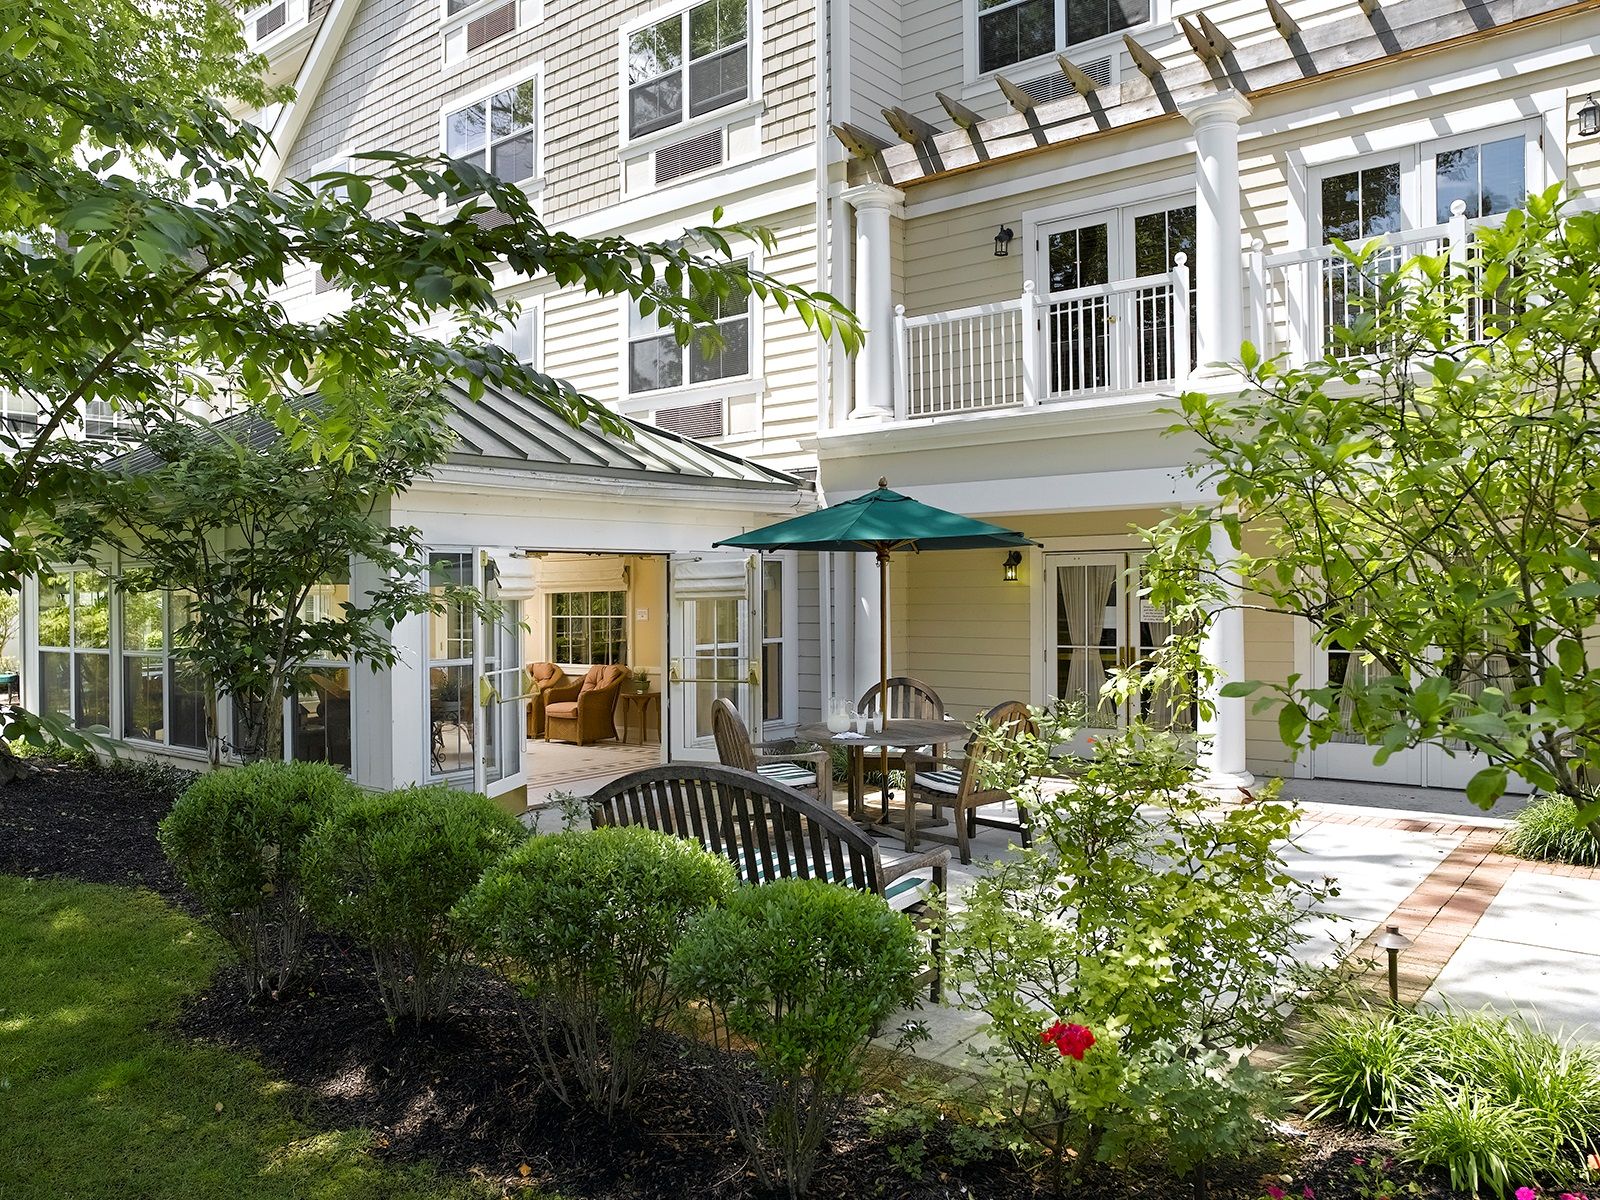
<point>1090,632</point>
<point>1077,326</point>
<point>714,656</point>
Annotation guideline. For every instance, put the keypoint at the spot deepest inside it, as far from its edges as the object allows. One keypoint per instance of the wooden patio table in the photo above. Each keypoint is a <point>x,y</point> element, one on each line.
<point>897,735</point>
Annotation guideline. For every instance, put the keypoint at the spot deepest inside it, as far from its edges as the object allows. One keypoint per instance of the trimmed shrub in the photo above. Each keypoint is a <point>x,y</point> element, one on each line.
<point>584,922</point>
<point>387,869</point>
<point>802,971</point>
<point>235,839</point>
<point>1549,830</point>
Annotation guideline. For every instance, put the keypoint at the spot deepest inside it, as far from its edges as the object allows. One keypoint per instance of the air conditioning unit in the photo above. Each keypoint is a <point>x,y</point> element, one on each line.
<point>707,419</point>
<point>688,156</point>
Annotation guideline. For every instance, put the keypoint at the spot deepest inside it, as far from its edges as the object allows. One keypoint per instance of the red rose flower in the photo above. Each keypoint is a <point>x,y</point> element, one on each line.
<point>1074,1040</point>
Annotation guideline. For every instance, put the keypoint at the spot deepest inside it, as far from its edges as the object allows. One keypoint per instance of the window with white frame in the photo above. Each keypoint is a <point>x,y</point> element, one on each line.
<point>75,645</point>
<point>518,335</point>
<point>774,682</point>
<point>1014,31</point>
<point>589,627</point>
<point>1490,176</point>
<point>163,699</point>
<point>498,133</point>
<point>452,634</point>
<point>319,710</point>
<point>686,65</point>
<point>656,361</point>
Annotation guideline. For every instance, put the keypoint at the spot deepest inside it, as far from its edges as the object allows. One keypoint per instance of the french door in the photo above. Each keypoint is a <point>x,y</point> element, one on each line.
<point>714,629</point>
<point>1098,623</point>
<point>1103,330</point>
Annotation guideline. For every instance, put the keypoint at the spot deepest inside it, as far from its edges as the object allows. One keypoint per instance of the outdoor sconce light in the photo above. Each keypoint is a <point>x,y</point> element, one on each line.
<point>1588,122</point>
<point>1394,941</point>
<point>1002,240</point>
<point>1013,561</point>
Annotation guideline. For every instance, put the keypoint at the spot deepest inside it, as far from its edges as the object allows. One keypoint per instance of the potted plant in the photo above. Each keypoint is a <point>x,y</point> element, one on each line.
<point>641,680</point>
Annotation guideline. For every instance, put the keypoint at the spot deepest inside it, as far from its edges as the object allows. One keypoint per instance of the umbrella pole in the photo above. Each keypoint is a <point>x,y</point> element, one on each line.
<point>883,675</point>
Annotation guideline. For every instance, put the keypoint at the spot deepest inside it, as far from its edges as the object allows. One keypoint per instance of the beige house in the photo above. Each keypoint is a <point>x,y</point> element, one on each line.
<point>1049,215</point>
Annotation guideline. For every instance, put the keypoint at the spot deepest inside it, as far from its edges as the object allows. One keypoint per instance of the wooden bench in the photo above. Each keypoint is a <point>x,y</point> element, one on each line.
<point>769,831</point>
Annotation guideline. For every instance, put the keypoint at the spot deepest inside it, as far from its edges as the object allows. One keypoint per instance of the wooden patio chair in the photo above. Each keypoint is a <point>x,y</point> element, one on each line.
<point>910,699</point>
<point>957,784</point>
<point>810,770</point>
<point>769,831</point>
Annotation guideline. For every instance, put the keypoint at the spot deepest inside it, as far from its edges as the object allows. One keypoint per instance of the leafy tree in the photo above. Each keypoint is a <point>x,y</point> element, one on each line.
<point>249,533</point>
<point>1427,495</point>
<point>143,255</point>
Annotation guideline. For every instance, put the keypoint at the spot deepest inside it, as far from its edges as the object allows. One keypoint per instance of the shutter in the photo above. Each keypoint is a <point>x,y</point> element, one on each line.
<point>492,25</point>
<point>272,20</point>
<point>688,156</point>
<point>703,420</point>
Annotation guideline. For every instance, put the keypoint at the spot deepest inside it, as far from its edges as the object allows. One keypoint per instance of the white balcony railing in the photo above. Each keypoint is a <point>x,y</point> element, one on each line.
<point>1131,335</point>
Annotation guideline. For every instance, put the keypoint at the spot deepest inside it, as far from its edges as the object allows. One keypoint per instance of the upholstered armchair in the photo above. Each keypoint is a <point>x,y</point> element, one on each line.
<point>590,713</point>
<point>546,678</point>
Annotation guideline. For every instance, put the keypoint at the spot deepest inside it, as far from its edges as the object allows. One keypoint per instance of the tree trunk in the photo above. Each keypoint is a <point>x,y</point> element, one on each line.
<point>12,768</point>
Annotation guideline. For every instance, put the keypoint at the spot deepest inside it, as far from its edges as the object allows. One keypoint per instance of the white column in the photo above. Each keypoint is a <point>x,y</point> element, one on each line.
<point>1218,253</point>
<point>868,622</point>
<point>1224,730</point>
<point>874,203</point>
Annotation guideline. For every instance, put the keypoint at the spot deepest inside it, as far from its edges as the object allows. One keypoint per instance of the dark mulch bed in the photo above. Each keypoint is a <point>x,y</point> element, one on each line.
<point>92,823</point>
<point>462,1096</point>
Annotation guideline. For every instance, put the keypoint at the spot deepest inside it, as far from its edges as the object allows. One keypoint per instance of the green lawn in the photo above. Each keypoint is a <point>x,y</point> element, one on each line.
<point>97,1100</point>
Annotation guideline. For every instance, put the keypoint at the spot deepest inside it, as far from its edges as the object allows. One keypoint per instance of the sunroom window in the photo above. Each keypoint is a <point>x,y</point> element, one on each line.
<point>687,65</point>
<point>1013,31</point>
<point>319,710</point>
<point>163,699</point>
<point>498,133</point>
<point>75,646</point>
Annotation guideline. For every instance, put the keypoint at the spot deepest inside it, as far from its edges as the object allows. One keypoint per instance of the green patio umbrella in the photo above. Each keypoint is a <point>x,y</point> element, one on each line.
<point>880,523</point>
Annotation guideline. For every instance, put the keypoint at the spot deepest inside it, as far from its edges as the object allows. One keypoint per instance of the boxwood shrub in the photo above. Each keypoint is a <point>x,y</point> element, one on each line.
<point>235,839</point>
<point>387,869</point>
<point>802,972</point>
<point>585,922</point>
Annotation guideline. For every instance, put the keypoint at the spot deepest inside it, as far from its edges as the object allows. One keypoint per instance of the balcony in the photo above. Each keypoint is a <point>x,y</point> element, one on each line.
<point>1119,338</point>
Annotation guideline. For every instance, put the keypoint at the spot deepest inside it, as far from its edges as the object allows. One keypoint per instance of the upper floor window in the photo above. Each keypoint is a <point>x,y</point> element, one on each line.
<point>1490,176</point>
<point>1362,203</point>
<point>656,360</point>
<point>1013,31</point>
<point>497,133</point>
<point>687,65</point>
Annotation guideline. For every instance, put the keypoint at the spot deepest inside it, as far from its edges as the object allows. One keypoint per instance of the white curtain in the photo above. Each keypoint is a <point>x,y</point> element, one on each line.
<point>1084,589</point>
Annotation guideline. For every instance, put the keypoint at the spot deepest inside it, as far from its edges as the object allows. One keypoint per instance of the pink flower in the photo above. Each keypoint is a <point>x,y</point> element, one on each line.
<point>1277,1193</point>
<point>1308,1193</point>
<point>1360,1162</point>
<point>1527,1193</point>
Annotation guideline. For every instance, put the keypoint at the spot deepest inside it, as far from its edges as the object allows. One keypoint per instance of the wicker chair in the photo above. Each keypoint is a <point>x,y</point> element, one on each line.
<point>810,771</point>
<point>957,784</point>
<point>546,678</point>
<point>585,711</point>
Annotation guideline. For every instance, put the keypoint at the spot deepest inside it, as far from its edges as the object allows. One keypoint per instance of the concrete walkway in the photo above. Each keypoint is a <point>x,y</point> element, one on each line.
<point>1488,930</point>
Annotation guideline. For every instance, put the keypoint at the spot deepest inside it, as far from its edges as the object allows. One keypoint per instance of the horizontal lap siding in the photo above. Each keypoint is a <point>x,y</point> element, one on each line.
<point>875,59</point>
<point>1269,657</point>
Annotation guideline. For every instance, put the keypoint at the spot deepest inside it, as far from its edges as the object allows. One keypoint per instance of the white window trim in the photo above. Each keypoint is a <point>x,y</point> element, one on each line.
<point>753,103</point>
<point>752,382</point>
<point>532,187</point>
<point>532,304</point>
<point>296,21</point>
<point>1028,68</point>
<point>530,15</point>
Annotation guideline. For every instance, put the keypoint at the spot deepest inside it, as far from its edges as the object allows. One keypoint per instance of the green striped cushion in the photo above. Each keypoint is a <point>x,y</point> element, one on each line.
<point>788,774</point>
<point>946,780</point>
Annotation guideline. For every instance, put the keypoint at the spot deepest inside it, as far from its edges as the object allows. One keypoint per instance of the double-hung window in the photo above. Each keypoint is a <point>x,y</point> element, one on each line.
<point>589,627</point>
<point>75,645</point>
<point>1013,31</point>
<point>656,361</point>
<point>498,133</point>
<point>687,65</point>
<point>319,709</point>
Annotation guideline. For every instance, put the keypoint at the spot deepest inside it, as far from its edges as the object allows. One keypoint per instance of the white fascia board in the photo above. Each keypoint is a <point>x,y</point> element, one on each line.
<point>307,86</point>
<point>1090,491</point>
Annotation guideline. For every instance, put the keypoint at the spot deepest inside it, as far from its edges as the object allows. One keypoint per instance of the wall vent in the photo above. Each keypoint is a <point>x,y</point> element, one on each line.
<point>491,25</point>
<point>704,420</point>
<point>687,157</point>
<point>490,218</point>
<point>1056,85</point>
<point>272,20</point>
<point>326,282</point>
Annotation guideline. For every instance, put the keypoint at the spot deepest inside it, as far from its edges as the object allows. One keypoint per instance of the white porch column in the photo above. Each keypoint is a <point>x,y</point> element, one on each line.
<point>1224,760</point>
<point>874,203</point>
<point>868,620</point>
<point>1219,256</point>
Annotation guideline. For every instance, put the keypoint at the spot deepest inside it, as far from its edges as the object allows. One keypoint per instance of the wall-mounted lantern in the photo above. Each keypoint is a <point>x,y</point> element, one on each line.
<point>1588,121</point>
<point>1013,561</point>
<point>1002,242</point>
